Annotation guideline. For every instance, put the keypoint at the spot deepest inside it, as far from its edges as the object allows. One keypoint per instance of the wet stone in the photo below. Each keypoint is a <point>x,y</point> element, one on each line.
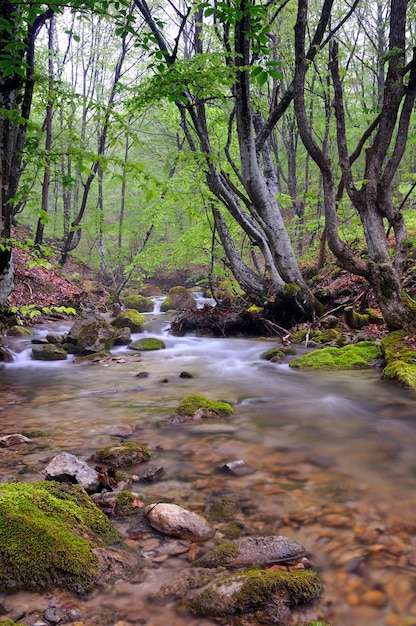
<point>172,519</point>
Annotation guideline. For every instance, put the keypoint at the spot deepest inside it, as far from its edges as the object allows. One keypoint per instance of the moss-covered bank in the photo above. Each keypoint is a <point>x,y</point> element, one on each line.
<point>354,356</point>
<point>48,533</point>
<point>400,359</point>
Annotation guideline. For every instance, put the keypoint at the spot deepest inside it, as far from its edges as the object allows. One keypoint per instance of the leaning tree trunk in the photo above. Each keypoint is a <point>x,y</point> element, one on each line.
<point>373,199</point>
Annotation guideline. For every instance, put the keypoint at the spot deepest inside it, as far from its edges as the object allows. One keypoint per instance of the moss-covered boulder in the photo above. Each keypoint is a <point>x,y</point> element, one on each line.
<point>49,352</point>
<point>254,590</point>
<point>123,454</point>
<point>276,354</point>
<point>354,356</point>
<point>129,319</point>
<point>332,336</point>
<point>50,534</point>
<point>95,337</point>
<point>147,344</point>
<point>178,298</point>
<point>400,359</point>
<point>196,406</point>
<point>138,303</point>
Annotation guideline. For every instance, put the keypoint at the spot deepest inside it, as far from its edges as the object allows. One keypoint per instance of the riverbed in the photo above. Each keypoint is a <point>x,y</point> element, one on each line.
<point>330,460</point>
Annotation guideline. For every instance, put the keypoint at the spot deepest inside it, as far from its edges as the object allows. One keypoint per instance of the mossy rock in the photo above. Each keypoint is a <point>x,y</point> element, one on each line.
<point>129,319</point>
<point>197,406</point>
<point>150,290</point>
<point>250,590</point>
<point>276,354</point>
<point>138,303</point>
<point>400,360</point>
<point>8,622</point>
<point>94,337</point>
<point>147,344</point>
<point>224,509</point>
<point>125,503</point>
<point>354,356</point>
<point>178,298</point>
<point>331,335</point>
<point>49,533</point>
<point>123,454</point>
<point>49,352</point>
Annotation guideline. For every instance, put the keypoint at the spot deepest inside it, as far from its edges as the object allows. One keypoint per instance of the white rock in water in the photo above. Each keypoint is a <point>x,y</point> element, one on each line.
<point>65,464</point>
<point>13,439</point>
<point>172,519</point>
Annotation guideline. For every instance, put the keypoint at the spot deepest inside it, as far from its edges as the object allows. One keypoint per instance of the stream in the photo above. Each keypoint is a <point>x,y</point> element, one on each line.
<point>331,458</point>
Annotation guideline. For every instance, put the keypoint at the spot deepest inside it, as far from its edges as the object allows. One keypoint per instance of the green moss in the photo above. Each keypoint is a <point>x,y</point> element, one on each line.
<point>48,532</point>
<point>194,402</point>
<point>147,344</point>
<point>253,588</point>
<point>292,288</point>
<point>317,336</point>
<point>8,622</point>
<point>223,554</point>
<point>124,503</point>
<point>138,303</point>
<point>275,354</point>
<point>400,359</point>
<point>353,356</point>
<point>129,319</point>
<point>224,509</point>
<point>123,454</point>
<point>254,309</point>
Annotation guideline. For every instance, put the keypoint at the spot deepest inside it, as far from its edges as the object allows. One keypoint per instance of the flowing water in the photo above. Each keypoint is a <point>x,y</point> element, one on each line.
<point>332,460</point>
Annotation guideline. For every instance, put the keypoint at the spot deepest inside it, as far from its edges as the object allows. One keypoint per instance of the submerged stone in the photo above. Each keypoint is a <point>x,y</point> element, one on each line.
<point>123,454</point>
<point>257,551</point>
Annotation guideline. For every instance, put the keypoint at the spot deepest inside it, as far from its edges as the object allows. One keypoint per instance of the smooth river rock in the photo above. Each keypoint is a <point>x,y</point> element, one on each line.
<point>172,519</point>
<point>249,551</point>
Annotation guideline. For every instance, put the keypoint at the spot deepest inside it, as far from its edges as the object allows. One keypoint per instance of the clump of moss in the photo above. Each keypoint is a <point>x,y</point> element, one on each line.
<point>129,319</point>
<point>353,356</point>
<point>197,404</point>
<point>147,344</point>
<point>331,336</point>
<point>138,303</point>
<point>8,622</point>
<point>252,589</point>
<point>125,503</point>
<point>400,359</point>
<point>224,509</point>
<point>48,533</point>
<point>123,454</point>
<point>275,354</point>
<point>222,554</point>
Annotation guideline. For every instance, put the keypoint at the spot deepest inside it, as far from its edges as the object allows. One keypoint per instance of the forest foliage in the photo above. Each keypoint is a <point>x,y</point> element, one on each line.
<point>237,139</point>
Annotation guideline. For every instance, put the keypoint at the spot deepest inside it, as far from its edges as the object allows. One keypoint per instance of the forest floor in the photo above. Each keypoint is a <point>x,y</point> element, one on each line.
<point>42,285</point>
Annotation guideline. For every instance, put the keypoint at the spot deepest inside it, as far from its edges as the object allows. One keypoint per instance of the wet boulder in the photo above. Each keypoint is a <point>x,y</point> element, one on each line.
<point>178,298</point>
<point>95,337</point>
<point>173,520</point>
<point>122,336</point>
<point>5,355</point>
<point>266,596</point>
<point>147,344</point>
<point>82,320</point>
<point>49,352</point>
<point>129,319</point>
<point>138,303</point>
<point>122,454</point>
<point>197,406</point>
<point>66,467</point>
<point>254,551</point>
